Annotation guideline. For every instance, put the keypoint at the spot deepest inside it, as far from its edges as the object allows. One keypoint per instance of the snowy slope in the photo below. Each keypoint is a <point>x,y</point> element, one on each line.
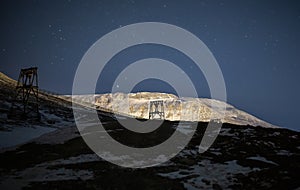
<point>184,109</point>
<point>56,114</point>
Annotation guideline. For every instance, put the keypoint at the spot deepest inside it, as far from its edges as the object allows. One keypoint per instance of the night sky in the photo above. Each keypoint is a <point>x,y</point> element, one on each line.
<point>256,43</point>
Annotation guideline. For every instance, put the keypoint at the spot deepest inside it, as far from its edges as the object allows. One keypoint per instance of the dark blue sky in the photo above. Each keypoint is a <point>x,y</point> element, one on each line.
<point>256,43</point>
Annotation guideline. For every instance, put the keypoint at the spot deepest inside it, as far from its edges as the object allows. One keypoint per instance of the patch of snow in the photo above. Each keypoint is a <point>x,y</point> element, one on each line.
<point>185,129</point>
<point>185,152</point>
<point>58,136</point>
<point>284,153</point>
<point>196,176</point>
<point>294,137</point>
<point>83,158</point>
<point>109,156</point>
<point>63,174</point>
<point>275,134</point>
<point>263,159</point>
<point>216,153</point>
<point>161,158</point>
<point>225,132</point>
<point>50,116</point>
<point>20,135</point>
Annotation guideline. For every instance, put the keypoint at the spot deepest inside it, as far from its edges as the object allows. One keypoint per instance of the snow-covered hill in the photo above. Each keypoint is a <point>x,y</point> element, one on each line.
<point>184,109</point>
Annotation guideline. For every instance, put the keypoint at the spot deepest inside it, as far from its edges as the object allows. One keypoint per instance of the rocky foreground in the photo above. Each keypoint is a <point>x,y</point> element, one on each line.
<point>242,157</point>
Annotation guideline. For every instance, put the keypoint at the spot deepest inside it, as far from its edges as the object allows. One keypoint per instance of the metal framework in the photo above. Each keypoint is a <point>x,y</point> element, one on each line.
<point>27,92</point>
<point>156,107</point>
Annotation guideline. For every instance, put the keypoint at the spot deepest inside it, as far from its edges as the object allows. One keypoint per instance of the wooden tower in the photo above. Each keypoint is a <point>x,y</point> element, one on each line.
<point>27,94</point>
<point>156,107</point>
